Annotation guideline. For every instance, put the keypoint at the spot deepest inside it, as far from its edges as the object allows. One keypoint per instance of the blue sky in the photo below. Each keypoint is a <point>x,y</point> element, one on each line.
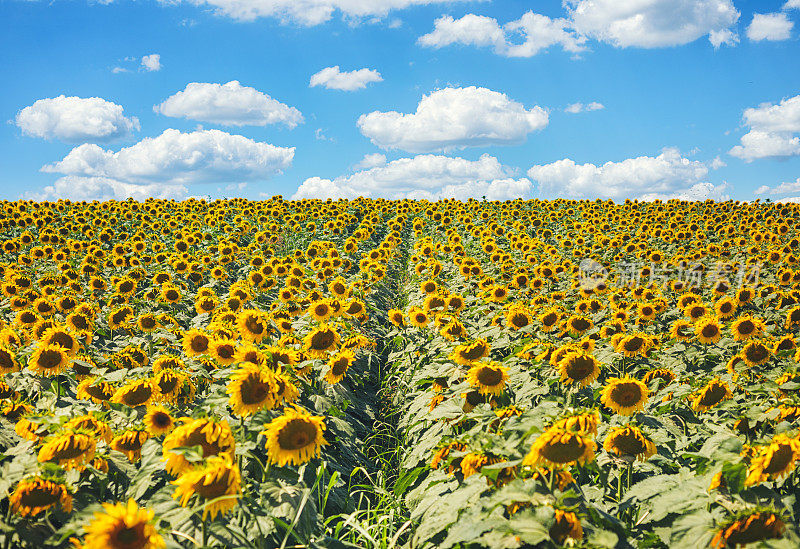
<point>481,91</point>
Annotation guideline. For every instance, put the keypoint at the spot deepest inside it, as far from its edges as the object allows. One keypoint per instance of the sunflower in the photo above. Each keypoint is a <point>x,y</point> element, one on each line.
<point>584,423</point>
<point>629,441</point>
<point>59,336</point>
<point>682,330</point>
<point>746,327</point>
<point>168,383</point>
<point>338,366</point>
<point>69,450</point>
<point>634,344</point>
<point>518,318</point>
<point>755,353</point>
<point>158,421</point>
<point>130,443</point>
<point>195,342</point>
<point>549,319</point>
<point>8,360</point>
<point>793,317</point>
<point>774,461</point>
<point>122,526</point>
<point>725,307</point>
<point>95,389</point>
<point>578,367</point>
<point>707,330</point>
<point>294,437</point>
<point>470,353</point>
<point>251,389</point>
<point>566,525</point>
<point>453,330</point>
<point>749,528</point>
<point>563,478</point>
<point>396,317</point>
<point>559,447</point>
<point>223,350</point>
<point>625,395</point>
<point>168,362</point>
<point>579,324</point>
<point>49,360</point>
<point>212,437</point>
<point>489,378</point>
<point>136,393</point>
<point>36,494</point>
<point>714,392</point>
<point>252,325</point>
<point>89,425</point>
<point>417,317</point>
<point>321,340</point>
<point>217,483</point>
<point>663,375</point>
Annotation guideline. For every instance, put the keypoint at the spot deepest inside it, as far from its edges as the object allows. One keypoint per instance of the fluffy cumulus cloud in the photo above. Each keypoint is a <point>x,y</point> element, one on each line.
<point>792,4</point>
<point>788,187</point>
<point>307,12</point>
<point>769,26</point>
<point>524,37</point>
<point>773,131</point>
<point>228,104</point>
<point>454,118</point>
<point>75,119</point>
<point>638,23</point>
<point>164,165</point>
<point>429,177</point>
<point>335,79</point>
<point>372,160</point>
<point>575,108</point>
<point>650,23</point>
<point>151,63</point>
<point>667,175</point>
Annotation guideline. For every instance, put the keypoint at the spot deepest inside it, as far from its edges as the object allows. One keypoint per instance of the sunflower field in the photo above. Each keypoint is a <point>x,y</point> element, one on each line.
<point>373,373</point>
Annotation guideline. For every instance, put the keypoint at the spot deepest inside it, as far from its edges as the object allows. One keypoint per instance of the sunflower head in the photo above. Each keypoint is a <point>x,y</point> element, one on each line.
<point>321,340</point>
<point>774,460</point>
<point>35,495</point>
<point>158,421</point>
<point>749,527</point>
<point>212,437</point>
<point>707,330</point>
<point>629,441</point>
<point>49,360</point>
<point>625,395</point>
<point>557,447</point>
<point>294,437</point>
<point>470,353</point>
<point>122,526</point>
<point>489,378</point>
<point>566,525</point>
<point>217,484</point>
<point>714,392</point>
<point>578,367</point>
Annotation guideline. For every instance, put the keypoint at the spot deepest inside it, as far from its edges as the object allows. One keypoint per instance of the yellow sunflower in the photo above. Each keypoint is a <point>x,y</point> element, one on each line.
<point>755,353</point>
<point>625,395</point>
<point>321,340</point>
<point>130,443</point>
<point>158,421</point>
<point>489,378</point>
<point>251,389</point>
<point>252,324</point>
<point>470,353</point>
<point>714,392</point>
<point>746,327</point>
<point>212,437</point>
<point>338,366</point>
<point>49,360</point>
<point>749,528</point>
<point>294,437</point>
<point>578,367</point>
<point>566,525</point>
<point>34,495</point>
<point>217,483</point>
<point>558,447</point>
<point>122,526</point>
<point>629,441</point>
<point>774,461</point>
<point>707,330</point>
<point>69,450</point>
<point>195,342</point>
<point>136,393</point>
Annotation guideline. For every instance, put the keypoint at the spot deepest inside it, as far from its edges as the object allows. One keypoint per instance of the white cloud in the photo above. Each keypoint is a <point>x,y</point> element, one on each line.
<point>151,63</point>
<point>651,23</point>
<point>772,129</point>
<point>164,165</point>
<point>371,161</point>
<point>538,33</point>
<point>791,4</point>
<point>333,79</point>
<point>454,118</point>
<point>306,12</point>
<point>722,37</point>
<point>667,174</point>
<point>697,192</point>
<point>319,135</point>
<point>101,188</point>
<point>75,119</point>
<point>228,104</point>
<point>769,26</point>
<point>575,108</point>
<point>427,177</point>
<point>788,187</point>
<point>118,70</point>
